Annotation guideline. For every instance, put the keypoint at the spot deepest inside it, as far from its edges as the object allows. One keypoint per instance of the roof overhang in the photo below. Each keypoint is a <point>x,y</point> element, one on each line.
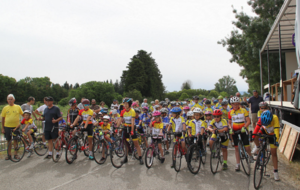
<point>286,19</point>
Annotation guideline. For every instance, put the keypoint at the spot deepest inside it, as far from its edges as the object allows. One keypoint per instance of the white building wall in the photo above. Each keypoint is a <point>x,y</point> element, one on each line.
<point>291,66</point>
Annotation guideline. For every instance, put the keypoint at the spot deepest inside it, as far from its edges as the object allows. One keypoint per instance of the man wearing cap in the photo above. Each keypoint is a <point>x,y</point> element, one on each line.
<point>28,106</point>
<point>253,102</point>
<point>51,116</point>
<point>94,106</point>
<point>113,105</point>
<point>10,122</point>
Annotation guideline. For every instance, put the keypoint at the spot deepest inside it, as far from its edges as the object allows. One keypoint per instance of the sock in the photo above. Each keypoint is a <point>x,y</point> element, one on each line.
<point>57,153</point>
<point>50,152</point>
<point>44,143</point>
<point>140,157</point>
<point>237,164</point>
<point>225,161</point>
<point>91,153</point>
<point>275,171</point>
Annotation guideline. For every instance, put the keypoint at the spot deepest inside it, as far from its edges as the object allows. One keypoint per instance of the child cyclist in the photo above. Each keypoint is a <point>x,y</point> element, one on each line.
<point>225,109</point>
<point>268,124</point>
<point>106,129</point>
<point>166,121</point>
<point>208,106</point>
<point>157,129</point>
<point>198,128</point>
<point>29,128</point>
<point>263,106</point>
<point>178,125</point>
<point>190,126</point>
<point>145,117</point>
<point>220,125</point>
<point>138,124</point>
<point>206,123</point>
<point>185,111</point>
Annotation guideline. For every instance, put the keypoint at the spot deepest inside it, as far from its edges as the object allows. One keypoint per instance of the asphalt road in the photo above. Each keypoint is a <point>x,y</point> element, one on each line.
<point>37,173</point>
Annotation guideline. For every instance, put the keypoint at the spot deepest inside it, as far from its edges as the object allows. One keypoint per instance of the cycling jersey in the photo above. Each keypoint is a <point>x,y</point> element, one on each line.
<point>137,120</point>
<point>103,127</point>
<point>145,117</point>
<point>225,113</point>
<point>72,114</point>
<point>209,109</point>
<point>176,124</point>
<point>30,122</point>
<point>219,125</point>
<point>205,123</point>
<point>189,124</point>
<point>196,126</point>
<point>184,115</point>
<point>271,129</point>
<point>156,127</point>
<point>85,114</point>
<point>198,105</point>
<point>115,117</point>
<point>238,118</point>
<point>165,121</point>
<point>218,106</point>
<point>259,113</point>
<point>127,116</point>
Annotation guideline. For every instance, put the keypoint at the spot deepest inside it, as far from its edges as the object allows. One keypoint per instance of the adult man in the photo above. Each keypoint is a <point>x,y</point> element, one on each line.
<point>80,105</point>
<point>239,96</point>
<point>10,122</point>
<point>144,104</point>
<point>267,98</point>
<point>28,106</point>
<point>253,102</point>
<point>230,99</point>
<point>51,116</point>
<point>113,105</point>
<point>95,107</point>
<point>39,111</point>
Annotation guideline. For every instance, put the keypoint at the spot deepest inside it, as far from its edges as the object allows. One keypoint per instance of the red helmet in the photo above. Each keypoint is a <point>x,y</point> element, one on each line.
<point>217,112</point>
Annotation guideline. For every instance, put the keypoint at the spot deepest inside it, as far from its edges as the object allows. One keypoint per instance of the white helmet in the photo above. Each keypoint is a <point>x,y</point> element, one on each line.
<point>190,113</point>
<point>164,110</point>
<point>106,117</point>
<point>27,111</point>
<point>114,112</point>
<point>197,110</point>
<point>152,102</point>
<point>234,99</point>
<point>184,102</point>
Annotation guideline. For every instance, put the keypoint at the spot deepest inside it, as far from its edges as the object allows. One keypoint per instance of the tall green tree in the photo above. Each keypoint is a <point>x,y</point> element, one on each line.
<point>7,85</point>
<point>247,38</point>
<point>186,85</point>
<point>135,76</point>
<point>226,84</point>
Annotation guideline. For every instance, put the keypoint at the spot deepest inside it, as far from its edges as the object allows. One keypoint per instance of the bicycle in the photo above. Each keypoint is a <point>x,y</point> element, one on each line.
<point>244,157</point>
<point>262,159</point>
<point>152,151</point>
<point>59,144</point>
<point>78,142</point>
<point>20,144</point>
<point>177,152</point>
<point>196,154</point>
<point>216,156</point>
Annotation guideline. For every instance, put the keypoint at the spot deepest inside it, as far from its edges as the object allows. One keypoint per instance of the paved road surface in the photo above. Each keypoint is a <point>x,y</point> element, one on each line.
<point>37,173</point>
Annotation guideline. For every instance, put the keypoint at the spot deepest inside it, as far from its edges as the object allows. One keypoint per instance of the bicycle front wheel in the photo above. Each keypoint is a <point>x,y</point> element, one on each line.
<point>194,159</point>
<point>86,147</point>
<point>57,149</point>
<point>215,157</point>
<point>258,170</point>
<point>17,147</point>
<point>100,152</point>
<point>40,147</point>
<point>71,150</point>
<point>117,153</point>
<point>177,157</point>
<point>149,157</point>
<point>245,159</point>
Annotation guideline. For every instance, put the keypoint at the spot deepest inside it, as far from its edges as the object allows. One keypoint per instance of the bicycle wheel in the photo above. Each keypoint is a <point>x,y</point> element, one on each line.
<point>268,154</point>
<point>71,150</point>
<point>203,152</point>
<point>117,153</point>
<point>86,147</point>
<point>100,154</point>
<point>194,159</point>
<point>258,170</point>
<point>142,147</point>
<point>214,157</point>
<point>149,157</point>
<point>39,147</point>
<point>244,157</point>
<point>177,155</point>
<point>17,149</point>
<point>57,149</point>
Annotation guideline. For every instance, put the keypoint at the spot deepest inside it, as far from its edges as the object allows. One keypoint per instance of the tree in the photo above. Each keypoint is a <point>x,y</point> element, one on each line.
<point>135,75</point>
<point>135,95</point>
<point>76,85</point>
<point>186,85</point>
<point>183,96</point>
<point>213,93</point>
<point>224,94</point>
<point>66,86</point>
<point>7,84</point>
<point>226,84</point>
<point>247,38</point>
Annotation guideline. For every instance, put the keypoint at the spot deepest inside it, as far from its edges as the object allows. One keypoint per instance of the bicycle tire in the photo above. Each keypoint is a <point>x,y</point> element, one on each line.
<point>39,147</point>
<point>244,157</point>
<point>203,152</point>
<point>194,159</point>
<point>71,150</point>
<point>57,148</point>
<point>142,147</point>
<point>177,155</point>
<point>19,149</point>
<point>258,170</point>
<point>268,154</point>
<point>215,157</point>
<point>117,150</point>
<point>86,150</point>
<point>149,157</point>
<point>98,154</point>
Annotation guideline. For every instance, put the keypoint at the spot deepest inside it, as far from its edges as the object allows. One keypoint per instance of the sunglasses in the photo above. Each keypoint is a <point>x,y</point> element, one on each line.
<point>105,121</point>
<point>263,108</point>
<point>218,116</point>
<point>86,104</point>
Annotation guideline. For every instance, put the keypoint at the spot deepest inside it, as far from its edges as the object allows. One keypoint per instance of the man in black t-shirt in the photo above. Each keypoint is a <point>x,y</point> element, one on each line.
<point>253,102</point>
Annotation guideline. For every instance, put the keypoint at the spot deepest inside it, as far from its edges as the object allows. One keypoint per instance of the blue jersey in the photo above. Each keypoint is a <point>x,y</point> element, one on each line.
<point>165,121</point>
<point>145,117</point>
<point>137,120</point>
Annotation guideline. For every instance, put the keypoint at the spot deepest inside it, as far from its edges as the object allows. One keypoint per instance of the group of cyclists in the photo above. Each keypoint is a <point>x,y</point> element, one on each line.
<point>186,121</point>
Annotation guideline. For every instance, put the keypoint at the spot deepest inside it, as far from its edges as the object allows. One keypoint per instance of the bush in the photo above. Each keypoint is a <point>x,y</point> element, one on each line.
<point>183,96</point>
<point>64,101</point>
<point>213,93</point>
<point>135,95</point>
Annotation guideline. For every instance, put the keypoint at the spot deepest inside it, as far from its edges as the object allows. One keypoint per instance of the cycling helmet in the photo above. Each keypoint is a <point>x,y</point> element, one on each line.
<point>186,108</point>
<point>137,110</point>
<point>224,103</point>
<point>184,102</point>
<point>173,103</point>
<point>85,101</point>
<point>263,104</point>
<point>207,102</point>
<point>161,102</point>
<point>220,97</point>
<point>99,113</point>
<point>195,97</point>
<point>244,104</point>
<point>207,113</point>
<point>190,113</point>
<point>164,110</point>
<point>104,110</point>
<point>266,117</point>
<point>113,112</point>
<point>106,117</point>
<point>156,106</point>
<point>235,99</point>
<point>156,113</point>
<point>27,111</point>
<point>204,99</point>
<point>152,102</point>
<point>165,104</point>
<point>145,108</point>
<point>177,104</point>
<point>197,110</point>
<point>216,101</point>
<point>217,112</point>
<point>129,100</point>
<point>72,101</point>
<point>176,110</point>
<point>94,113</point>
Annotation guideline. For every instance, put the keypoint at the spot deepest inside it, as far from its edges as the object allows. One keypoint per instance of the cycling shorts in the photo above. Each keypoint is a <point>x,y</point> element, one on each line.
<point>224,140</point>
<point>271,140</point>
<point>89,130</point>
<point>127,131</point>
<point>33,130</point>
<point>244,137</point>
<point>158,140</point>
<point>178,135</point>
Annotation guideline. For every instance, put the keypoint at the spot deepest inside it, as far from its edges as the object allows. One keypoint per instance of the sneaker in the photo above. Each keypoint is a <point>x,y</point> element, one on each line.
<point>162,160</point>
<point>57,156</point>
<point>31,146</point>
<point>8,157</point>
<point>276,176</point>
<point>251,159</point>
<point>237,168</point>
<point>141,162</point>
<point>255,150</point>
<point>102,159</point>
<point>225,166</point>
<point>29,154</point>
<point>232,143</point>
<point>48,157</point>
<point>45,147</point>
<point>125,160</point>
<point>91,158</point>
<point>167,152</point>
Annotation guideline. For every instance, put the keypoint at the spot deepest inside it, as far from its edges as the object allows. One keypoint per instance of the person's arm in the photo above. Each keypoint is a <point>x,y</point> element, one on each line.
<point>87,121</point>
<point>210,128</point>
<point>34,115</point>
<point>37,112</point>
<point>247,122</point>
<point>76,121</point>
<point>16,128</point>
<point>3,121</point>
<point>132,123</point>
<point>25,127</point>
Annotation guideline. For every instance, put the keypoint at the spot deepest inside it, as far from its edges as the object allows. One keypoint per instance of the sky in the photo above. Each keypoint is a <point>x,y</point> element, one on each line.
<point>81,41</point>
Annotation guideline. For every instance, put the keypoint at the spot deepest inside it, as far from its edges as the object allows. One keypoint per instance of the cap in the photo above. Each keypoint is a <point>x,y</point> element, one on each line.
<point>49,98</point>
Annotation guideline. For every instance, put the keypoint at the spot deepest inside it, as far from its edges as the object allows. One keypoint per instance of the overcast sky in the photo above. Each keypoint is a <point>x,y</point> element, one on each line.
<point>81,41</point>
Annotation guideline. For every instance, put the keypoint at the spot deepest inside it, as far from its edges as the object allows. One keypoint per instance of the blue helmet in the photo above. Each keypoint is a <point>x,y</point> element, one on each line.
<point>176,110</point>
<point>215,101</point>
<point>266,117</point>
<point>104,110</point>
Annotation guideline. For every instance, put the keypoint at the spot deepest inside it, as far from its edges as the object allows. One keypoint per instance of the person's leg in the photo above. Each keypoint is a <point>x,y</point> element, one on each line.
<point>50,146</point>
<point>160,149</point>
<point>29,135</point>
<point>274,158</point>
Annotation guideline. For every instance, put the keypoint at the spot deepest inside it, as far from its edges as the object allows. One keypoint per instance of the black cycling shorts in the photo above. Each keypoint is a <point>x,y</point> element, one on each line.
<point>158,140</point>
<point>244,137</point>
<point>51,134</point>
<point>89,130</point>
<point>127,131</point>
